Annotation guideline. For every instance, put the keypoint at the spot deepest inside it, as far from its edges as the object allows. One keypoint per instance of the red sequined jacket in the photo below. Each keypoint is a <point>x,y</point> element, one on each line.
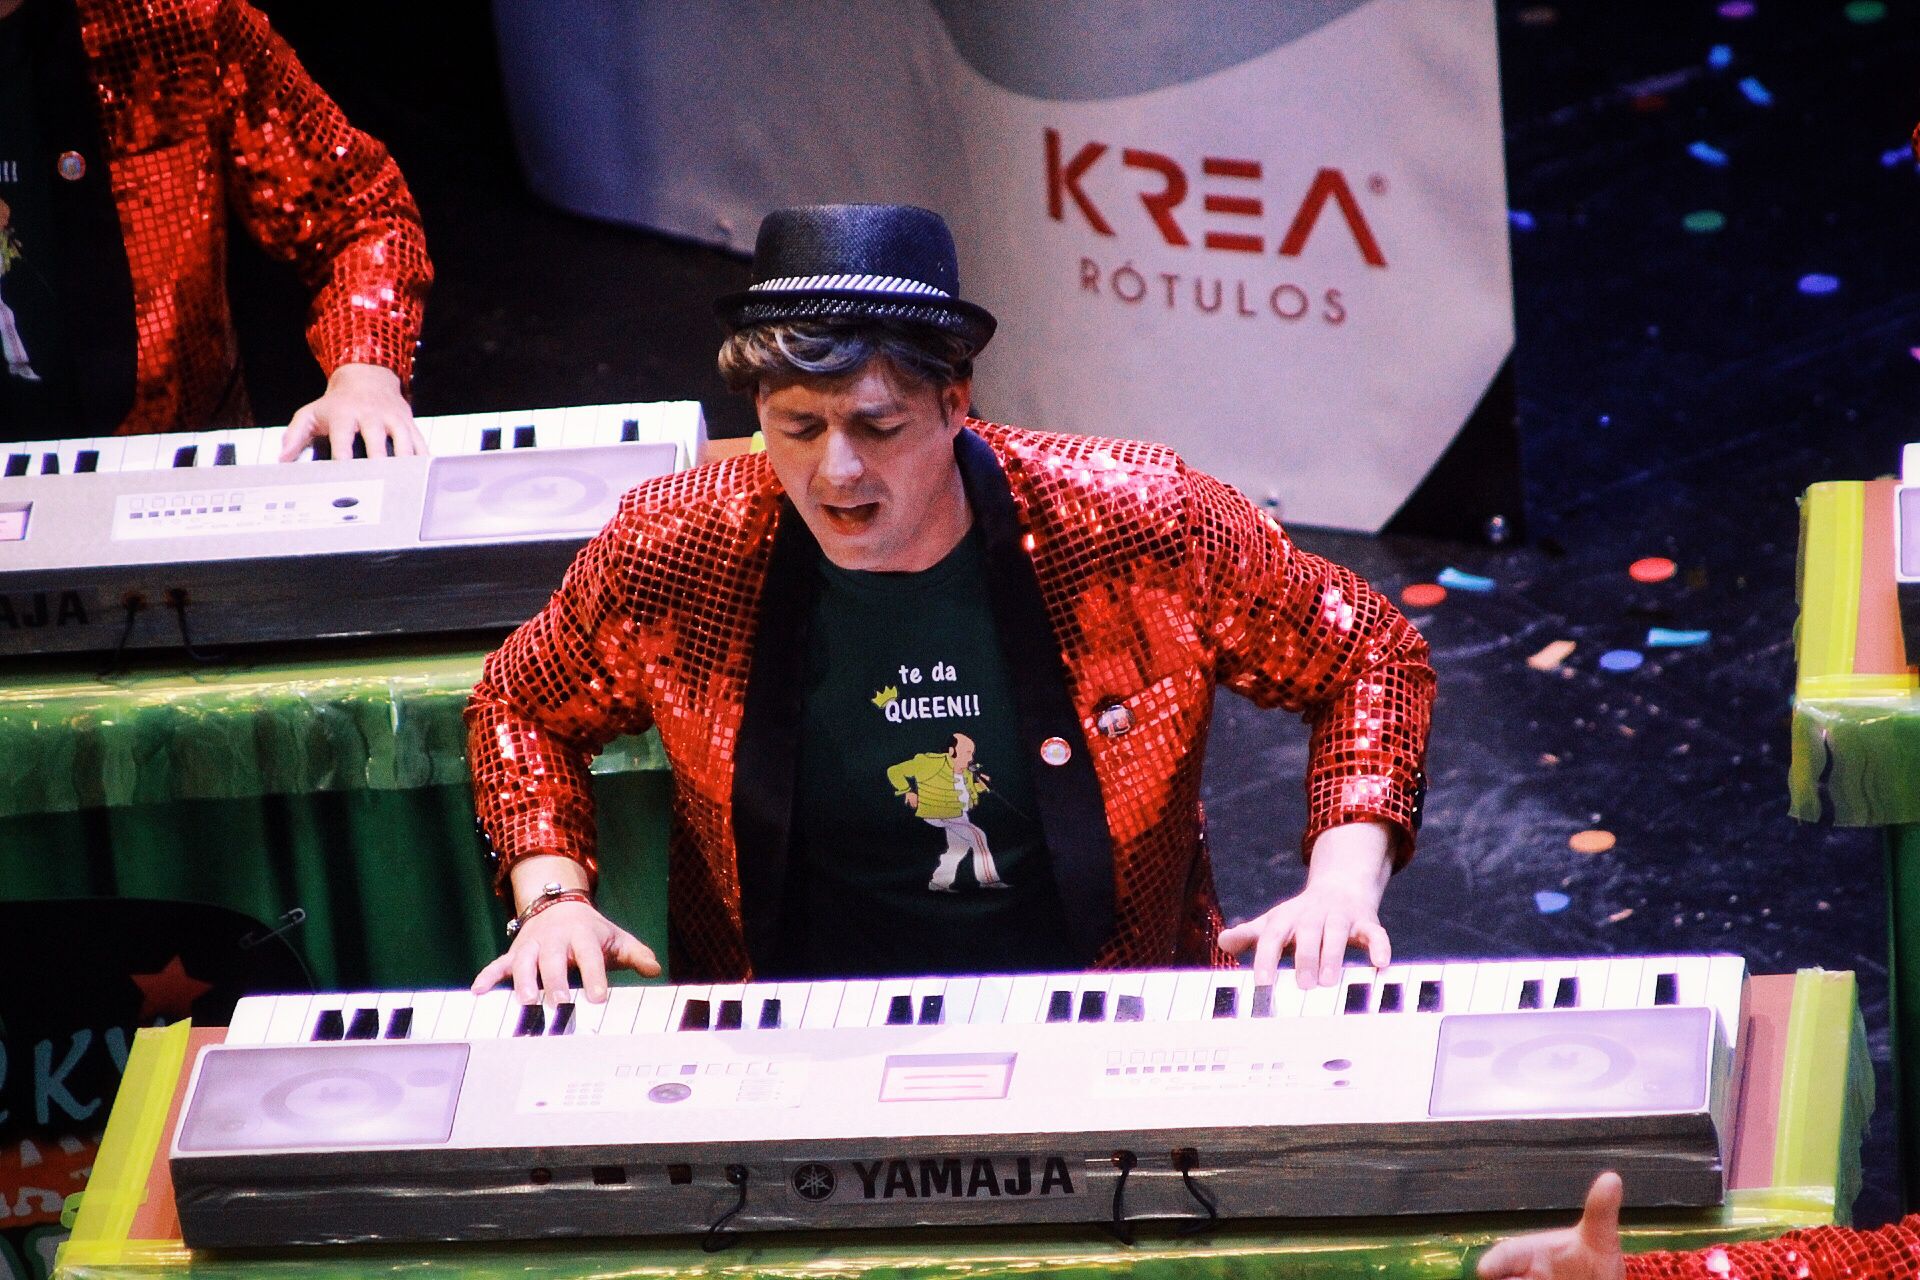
<point>1117,577</point>
<point>197,109</point>
<point>1891,1252</point>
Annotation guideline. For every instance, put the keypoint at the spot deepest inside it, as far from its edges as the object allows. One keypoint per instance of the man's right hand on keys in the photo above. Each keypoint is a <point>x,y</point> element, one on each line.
<point>564,935</point>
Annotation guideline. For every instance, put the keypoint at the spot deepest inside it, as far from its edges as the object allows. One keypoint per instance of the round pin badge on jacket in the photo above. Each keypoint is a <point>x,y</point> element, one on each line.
<point>1055,751</point>
<point>1114,720</point>
<point>72,166</point>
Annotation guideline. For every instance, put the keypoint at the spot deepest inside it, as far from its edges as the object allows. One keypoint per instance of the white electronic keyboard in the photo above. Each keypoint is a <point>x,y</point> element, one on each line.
<point>206,539</point>
<point>1179,1094</point>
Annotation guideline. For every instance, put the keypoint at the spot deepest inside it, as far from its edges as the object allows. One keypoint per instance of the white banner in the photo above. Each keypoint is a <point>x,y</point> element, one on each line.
<point>1273,236</point>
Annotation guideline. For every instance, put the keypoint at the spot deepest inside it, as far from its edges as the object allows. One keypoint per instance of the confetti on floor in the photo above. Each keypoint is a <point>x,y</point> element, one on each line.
<point>1818,282</point>
<point>1865,11</point>
<point>1756,93</point>
<point>1651,569</point>
<point>1622,659</point>
<point>1737,9</point>
<point>1719,57</point>
<point>1423,595</point>
<point>1620,915</point>
<point>1521,219</point>
<point>1591,841</point>
<point>1456,580</point>
<point>1704,221</point>
<point>1893,157</point>
<point>1552,656</point>
<point>1549,901</point>
<point>1707,153</point>
<point>1670,638</point>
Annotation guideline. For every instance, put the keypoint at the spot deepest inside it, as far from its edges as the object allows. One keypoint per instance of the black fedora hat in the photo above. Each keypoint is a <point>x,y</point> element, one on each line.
<point>857,262</point>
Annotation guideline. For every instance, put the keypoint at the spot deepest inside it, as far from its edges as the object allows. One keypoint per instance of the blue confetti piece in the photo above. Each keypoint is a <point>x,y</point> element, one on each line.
<point>1756,92</point>
<point>1550,901</point>
<point>1521,219</point>
<point>1454,580</point>
<point>1668,638</point>
<point>1622,659</point>
<point>1894,158</point>
<point>1818,283</point>
<point>1707,153</point>
<point>1720,57</point>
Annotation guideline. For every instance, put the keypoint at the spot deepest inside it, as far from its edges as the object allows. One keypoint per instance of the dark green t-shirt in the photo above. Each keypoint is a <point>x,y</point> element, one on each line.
<point>37,392</point>
<point>917,842</point>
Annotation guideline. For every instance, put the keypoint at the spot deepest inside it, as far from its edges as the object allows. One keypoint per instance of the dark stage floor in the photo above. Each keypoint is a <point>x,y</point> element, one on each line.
<point>1677,389</point>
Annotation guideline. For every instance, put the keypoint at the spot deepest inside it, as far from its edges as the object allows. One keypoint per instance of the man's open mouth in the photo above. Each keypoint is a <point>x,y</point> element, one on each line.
<point>850,519</point>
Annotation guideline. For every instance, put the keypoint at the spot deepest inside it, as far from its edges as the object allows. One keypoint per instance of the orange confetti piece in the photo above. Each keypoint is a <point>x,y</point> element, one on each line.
<point>1423,595</point>
<point>1552,656</point>
<point>1651,569</point>
<point>1594,841</point>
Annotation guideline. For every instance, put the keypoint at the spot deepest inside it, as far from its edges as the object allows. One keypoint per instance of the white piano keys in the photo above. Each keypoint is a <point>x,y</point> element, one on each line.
<point>957,1001</point>
<point>1156,995</point>
<point>823,1004</point>
<point>288,1021</point>
<point>1027,1000</point>
<point>456,1014</point>
<point>617,1014</point>
<point>1726,985</point>
<point>1595,977</point>
<point>141,453</point>
<point>990,1001</point>
<point>426,1014</point>
<point>252,1016</point>
<point>1322,1001</point>
<point>1286,999</point>
<point>856,1002</point>
<point>1192,997</point>
<point>490,1012</point>
<point>1692,972</point>
<point>1623,984</point>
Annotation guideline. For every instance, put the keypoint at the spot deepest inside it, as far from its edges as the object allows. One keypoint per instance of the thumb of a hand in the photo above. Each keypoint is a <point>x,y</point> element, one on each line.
<point>1600,1221</point>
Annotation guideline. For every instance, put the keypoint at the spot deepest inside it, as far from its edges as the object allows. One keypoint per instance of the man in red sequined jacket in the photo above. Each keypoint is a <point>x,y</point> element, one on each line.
<point>890,573</point>
<point>130,134</point>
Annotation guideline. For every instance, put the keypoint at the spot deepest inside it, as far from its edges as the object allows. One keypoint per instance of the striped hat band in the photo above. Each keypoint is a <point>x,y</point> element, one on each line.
<point>852,283</point>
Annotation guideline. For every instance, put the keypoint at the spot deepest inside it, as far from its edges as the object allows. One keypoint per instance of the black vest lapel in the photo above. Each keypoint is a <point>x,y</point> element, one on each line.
<point>91,263</point>
<point>1073,817</point>
<point>768,753</point>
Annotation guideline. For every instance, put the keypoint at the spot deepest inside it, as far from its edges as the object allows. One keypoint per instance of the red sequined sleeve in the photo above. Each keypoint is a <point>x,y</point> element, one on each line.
<point>1818,1253</point>
<point>317,192</point>
<point>1291,629</point>
<point>559,689</point>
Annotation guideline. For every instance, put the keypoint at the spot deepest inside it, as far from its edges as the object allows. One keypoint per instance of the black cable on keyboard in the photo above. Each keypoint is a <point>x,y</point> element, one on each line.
<point>1122,1230</point>
<point>717,1239</point>
<point>177,601</point>
<point>133,602</point>
<point>1186,1160</point>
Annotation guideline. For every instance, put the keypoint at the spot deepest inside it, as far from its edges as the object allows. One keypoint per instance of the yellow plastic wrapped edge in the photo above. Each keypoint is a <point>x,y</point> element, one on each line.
<point>1812,1117</point>
<point>117,1187</point>
<point>1832,524</point>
